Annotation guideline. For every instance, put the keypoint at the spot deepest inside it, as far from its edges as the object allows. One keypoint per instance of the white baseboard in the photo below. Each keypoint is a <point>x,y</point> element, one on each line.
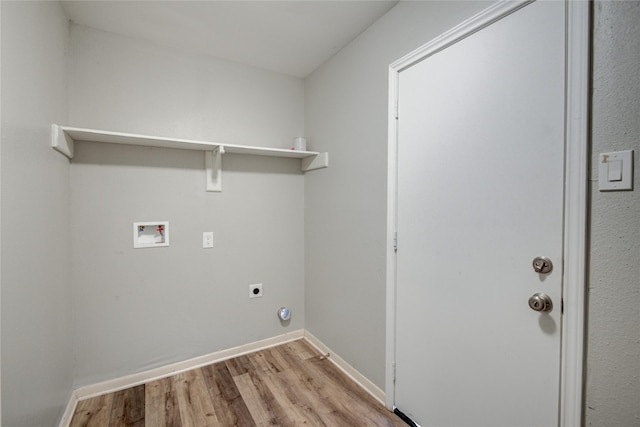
<point>69,410</point>
<point>117,384</point>
<point>364,382</point>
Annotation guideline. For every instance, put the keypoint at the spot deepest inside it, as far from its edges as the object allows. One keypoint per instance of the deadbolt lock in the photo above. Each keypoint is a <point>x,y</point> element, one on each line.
<point>540,302</point>
<point>542,264</point>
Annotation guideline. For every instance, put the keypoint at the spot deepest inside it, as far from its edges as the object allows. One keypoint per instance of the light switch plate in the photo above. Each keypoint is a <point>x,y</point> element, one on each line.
<point>615,171</point>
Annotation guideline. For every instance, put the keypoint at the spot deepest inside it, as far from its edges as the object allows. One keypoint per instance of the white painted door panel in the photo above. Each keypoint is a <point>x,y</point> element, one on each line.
<point>480,194</point>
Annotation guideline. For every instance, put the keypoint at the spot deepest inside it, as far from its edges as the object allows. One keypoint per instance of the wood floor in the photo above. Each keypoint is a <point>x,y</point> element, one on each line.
<point>287,385</point>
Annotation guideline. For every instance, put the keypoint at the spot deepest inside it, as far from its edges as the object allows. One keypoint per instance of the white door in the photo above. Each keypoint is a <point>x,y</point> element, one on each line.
<point>479,196</point>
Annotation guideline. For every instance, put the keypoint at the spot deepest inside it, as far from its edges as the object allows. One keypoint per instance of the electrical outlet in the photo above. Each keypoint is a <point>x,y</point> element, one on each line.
<point>207,239</point>
<point>255,290</point>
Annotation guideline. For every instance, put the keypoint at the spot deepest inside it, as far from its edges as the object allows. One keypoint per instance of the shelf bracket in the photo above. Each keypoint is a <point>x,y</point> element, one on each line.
<point>319,161</point>
<point>61,142</point>
<point>213,168</point>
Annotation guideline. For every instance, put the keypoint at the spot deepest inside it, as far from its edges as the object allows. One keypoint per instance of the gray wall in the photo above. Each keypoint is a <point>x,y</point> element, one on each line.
<point>136,309</point>
<point>345,205</point>
<point>613,356</point>
<point>37,358</point>
<point>129,85</point>
<point>346,107</point>
<point>144,308</point>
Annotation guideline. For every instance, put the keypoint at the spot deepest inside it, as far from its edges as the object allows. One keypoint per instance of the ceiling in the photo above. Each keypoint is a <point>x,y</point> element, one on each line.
<point>290,37</point>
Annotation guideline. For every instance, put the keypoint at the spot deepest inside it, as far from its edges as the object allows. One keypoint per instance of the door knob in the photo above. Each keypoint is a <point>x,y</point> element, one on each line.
<point>542,264</point>
<point>540,302</point>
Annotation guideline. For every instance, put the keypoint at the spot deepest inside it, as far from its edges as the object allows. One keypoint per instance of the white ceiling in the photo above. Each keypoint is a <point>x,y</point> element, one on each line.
<point>291,37</point>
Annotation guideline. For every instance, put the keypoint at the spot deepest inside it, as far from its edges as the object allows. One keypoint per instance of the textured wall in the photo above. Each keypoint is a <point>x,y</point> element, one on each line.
<point>136,309</point>
<point>37,354</point>
<point>613,355</point>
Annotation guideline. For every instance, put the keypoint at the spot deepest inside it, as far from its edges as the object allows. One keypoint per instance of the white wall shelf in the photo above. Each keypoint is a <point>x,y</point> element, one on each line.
<point>64,137</point>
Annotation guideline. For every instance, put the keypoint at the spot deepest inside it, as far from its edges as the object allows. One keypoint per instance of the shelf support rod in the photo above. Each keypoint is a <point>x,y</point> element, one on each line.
<point>213,168</point>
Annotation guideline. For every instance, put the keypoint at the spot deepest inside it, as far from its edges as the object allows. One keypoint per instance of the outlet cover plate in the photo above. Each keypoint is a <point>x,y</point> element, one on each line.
<point>207,239</point>
<point>255,290</point>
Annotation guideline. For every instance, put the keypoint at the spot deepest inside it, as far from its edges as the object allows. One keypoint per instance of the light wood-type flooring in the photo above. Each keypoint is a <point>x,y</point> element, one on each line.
<point>287,385</point>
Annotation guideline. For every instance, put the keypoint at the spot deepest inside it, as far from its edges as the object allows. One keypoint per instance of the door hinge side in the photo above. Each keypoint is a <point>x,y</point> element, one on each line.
<point>395,242</point>
<point>393,365</point>
<point>395,108</point>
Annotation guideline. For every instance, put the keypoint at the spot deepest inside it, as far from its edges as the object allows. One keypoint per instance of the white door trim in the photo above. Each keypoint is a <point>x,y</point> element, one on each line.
<point>575,221</point>
<point>576,201</point>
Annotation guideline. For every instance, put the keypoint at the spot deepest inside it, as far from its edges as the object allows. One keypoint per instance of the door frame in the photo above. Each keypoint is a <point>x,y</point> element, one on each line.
<point>577,83</point>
